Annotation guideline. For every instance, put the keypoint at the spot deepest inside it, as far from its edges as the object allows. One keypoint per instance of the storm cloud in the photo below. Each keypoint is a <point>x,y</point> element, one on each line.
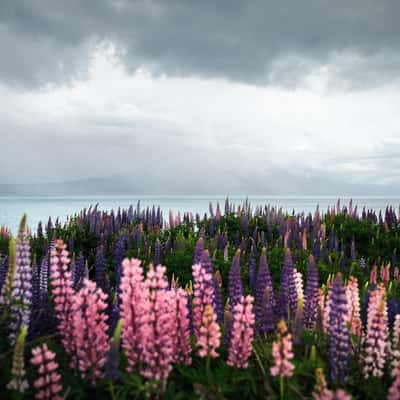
<point>223,97</point>
<point>258,42</point>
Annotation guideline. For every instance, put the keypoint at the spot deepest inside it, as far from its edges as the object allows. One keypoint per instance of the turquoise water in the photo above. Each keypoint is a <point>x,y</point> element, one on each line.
<point>40,208</point>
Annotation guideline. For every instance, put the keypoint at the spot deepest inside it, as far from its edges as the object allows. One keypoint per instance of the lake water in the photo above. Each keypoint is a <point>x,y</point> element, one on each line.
<point>40,208</point>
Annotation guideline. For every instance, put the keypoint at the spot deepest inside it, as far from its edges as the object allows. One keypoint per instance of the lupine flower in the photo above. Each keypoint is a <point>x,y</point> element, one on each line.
<point>311,295</point>
<point>133,298</point>
<point>353,303</point>
<point>338,332</point>
<point>235,287</point>
<point>396,346</point>
<point>3,271</point>
<point>48,384</point>
<point>203,289</point>
<point>6,290</point>
<point>21,294</point>
<point>282,352</point>
<point>198,251</point>
<point>252,268</point>
<point>377,347</point>
<point>265,300</point>
<point>158,328</point>
<point>63,294</point>
<point>394,390</point>
<point>90,330</point>
<point>209,335</point>
<point>101,271</point>
<point>298,321</point>
<point>182,349</point>
<point>288,290</point>
<point>327,307</point>
<point>321,391</point>
<point>113,356</point>
<point>242,333</point>
<point>217,303</point>
<point>18,381</point>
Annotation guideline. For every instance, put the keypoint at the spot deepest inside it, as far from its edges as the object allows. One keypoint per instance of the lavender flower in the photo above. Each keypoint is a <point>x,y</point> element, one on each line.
<point>22,285</point>
<point>338,331</point>
<point>265,300</point>
<point>235,288</point>
<point>311,295</point>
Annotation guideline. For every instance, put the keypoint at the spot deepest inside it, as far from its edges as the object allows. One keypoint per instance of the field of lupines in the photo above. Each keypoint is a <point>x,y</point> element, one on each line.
<point>239,303</point>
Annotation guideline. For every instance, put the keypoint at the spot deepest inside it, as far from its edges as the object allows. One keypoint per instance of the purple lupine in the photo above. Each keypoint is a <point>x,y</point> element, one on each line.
<point>101,271</point>
<point>265,300</point>
<point>78,271</point>
<point>235,287</point>
<point>3,271</point>
<point>338,331</point>
<point>119,255</point>
<point>252,267</point>
<point>311,295</point>
<point>288,290</point>
<point>198,251</point>
<point>157,252</point>
<point>22,284</point>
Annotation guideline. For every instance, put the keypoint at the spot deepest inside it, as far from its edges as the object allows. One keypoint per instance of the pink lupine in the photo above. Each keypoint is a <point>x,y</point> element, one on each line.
<point>157,329</point>
<point>321,391</point>
<point>63,293</point>
<point>373,275</point>
<point>396,274</point>
<point>282,352</point>
<point>394,390</point>
<point>353,303</point>
<point>242,333</point>
<point>396,346</point>
<point>385,273</point>
<point>209,334</point>
<point>377,347</point>
<point>134,295</point>
<point>90,330</point>
<point>48,384</point>
<point>203,290</point>
<point>182,349</point>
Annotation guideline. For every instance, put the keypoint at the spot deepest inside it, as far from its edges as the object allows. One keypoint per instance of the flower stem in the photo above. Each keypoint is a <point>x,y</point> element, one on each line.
<point>282,386</point>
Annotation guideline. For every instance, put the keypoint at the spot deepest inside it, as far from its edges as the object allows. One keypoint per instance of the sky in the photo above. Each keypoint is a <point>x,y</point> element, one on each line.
<point>240,96</point>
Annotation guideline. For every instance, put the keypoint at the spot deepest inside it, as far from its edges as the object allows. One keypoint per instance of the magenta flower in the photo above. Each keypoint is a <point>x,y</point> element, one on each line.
<point>242,333</point>
<point>394,390</point>
<point>396,346</point>
<point>282,352</point>
<point>209,334</point>
<point>377,345</point>
<point>48,383</point>
<point>158,326</point>
<point>63,293</point>
<point>203,290</point>
<point>133,298</point>
<point>90,330</point>
<point>353,304</point>
<point>321,391</point>
<point>180,314</point>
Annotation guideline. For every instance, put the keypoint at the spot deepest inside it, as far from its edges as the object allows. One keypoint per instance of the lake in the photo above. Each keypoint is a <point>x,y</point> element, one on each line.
<point>40,208</point>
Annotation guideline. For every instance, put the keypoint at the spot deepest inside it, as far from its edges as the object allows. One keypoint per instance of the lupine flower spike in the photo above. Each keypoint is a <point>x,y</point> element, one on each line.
<point>48,384</point>
<point>18,381</point>
<point>242,333</point>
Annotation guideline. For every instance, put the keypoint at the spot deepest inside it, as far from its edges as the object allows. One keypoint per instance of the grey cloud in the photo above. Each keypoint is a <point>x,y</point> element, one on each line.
<point>257,42</point>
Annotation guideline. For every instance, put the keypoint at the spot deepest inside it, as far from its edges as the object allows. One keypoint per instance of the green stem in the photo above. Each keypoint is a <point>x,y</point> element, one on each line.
<point>111,389</point>
<point>282,386</point>
<point>208,369</point>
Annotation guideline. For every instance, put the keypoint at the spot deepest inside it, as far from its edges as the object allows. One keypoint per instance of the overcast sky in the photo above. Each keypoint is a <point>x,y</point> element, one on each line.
<point>224,89</point>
